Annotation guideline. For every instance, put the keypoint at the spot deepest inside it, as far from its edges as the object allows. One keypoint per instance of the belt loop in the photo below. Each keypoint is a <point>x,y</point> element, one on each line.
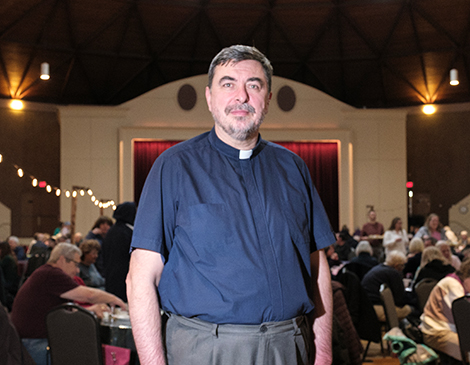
<point>297,321</point>
<point>215,330</point>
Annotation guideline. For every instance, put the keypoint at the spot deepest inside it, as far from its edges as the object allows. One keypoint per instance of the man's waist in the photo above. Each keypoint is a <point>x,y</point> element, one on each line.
<point>234,328</point>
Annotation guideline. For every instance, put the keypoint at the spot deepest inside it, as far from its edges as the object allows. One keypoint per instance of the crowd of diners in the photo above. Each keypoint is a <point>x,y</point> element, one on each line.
<point>402,259</point>
<point>91,272</point>
<point>57,268</point>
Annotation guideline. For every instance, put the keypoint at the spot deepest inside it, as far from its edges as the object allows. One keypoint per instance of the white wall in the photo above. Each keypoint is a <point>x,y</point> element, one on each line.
<point>459,216</point>
<point>5,222</point>
<point>96,145</point>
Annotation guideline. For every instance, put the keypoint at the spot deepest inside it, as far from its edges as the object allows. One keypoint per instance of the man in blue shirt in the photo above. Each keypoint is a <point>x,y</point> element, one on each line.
<point>230,229</point>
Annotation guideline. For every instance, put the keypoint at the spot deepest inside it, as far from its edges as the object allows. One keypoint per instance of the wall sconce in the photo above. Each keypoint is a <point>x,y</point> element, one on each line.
<point>454,77</point>
<point>45,75</point>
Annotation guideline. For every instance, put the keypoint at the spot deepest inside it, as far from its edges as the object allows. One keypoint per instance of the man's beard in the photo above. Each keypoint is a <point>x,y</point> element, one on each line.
<point>242,133</point>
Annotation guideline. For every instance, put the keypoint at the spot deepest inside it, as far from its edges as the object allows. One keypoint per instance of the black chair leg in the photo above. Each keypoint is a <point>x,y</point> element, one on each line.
<point>365,352</point>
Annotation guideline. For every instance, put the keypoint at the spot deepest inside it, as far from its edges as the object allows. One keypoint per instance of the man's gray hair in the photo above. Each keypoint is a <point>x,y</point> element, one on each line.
<point>364,246</point>
<point>64,249</point>
<point>14,238</point>
<point>237,53</point>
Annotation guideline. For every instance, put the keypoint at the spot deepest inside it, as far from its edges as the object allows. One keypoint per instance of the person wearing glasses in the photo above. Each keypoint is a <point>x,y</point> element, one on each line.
<point>49,286</point>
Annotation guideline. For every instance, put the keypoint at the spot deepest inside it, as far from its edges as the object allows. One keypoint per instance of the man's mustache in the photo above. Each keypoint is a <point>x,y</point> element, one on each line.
<point>245,106</point>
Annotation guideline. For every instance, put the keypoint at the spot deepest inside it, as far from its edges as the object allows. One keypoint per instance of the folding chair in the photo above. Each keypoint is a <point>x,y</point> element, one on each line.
<point>389,307</point>
<point>461,313</point>
<point>423,289</point>
<point>74,336</point>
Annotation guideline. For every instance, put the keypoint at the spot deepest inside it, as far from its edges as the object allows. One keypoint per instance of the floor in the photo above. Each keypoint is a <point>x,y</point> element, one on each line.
<point>375,356</point>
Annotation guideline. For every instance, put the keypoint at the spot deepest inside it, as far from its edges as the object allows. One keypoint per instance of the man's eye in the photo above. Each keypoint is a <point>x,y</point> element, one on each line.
<point>227,84</point>
<point>254,86</point>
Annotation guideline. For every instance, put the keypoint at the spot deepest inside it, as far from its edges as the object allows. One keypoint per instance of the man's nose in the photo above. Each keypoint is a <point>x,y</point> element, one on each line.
<point>242,95</point>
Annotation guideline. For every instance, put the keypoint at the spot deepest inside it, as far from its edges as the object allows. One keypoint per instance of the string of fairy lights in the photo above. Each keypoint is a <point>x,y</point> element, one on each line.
<point>72,193</point>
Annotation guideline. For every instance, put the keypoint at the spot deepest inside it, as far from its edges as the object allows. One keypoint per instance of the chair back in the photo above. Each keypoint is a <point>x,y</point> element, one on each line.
<point>357,268</point>
<point>460,311</point>
<point>423,289</point>
<point>74,336</point>
<point>360,307</point>
<point>389,306</point>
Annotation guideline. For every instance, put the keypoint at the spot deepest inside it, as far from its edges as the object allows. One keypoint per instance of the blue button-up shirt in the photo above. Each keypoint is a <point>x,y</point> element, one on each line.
<point>235,233</point>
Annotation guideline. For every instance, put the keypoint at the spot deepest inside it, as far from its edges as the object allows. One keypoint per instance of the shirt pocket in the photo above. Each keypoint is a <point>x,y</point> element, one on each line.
<point>208,226</point>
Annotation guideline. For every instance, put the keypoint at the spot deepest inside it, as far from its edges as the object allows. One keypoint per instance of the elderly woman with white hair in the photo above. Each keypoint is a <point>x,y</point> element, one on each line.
<point>389,273</point>
<point>444,247</point>
<point>364,254</point>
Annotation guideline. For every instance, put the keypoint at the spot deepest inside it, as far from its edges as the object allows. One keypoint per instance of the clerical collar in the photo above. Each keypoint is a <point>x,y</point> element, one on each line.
<point>245,154</point>
<point>233,152</point>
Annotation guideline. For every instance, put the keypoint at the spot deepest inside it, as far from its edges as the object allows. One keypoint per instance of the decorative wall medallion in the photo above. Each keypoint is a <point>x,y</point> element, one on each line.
<point>286,98</point>
<point>187,97</point>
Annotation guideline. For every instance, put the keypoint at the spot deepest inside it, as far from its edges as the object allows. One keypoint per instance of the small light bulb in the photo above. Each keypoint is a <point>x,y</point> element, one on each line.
<point>35,182</point>
<point>429,109</point>
<point>67,193</point>
<point>16,104</point>
<point>82,192</point>
<point>48,188</point>
<point>20,172</point>
<point>57,192</point>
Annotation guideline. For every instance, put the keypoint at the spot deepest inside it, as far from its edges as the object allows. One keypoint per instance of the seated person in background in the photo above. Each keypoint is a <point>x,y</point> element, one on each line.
<point>98,232</point>
<point>433,265</point>
<point>414,258</point>
<point>88,272</point>
<point>395,238</point>
<point>348,238</point>
<point>9,268</point>
<point>48,287</point>
<point>451,237</point>
<point>447,253</point>
<point>37,238</point>
<point>77,239</point>
<point>389,273</point>
<point>363,262</point>
<point>432,228</point>
<point>342,248</point>
<point>364,255</point>
<point>17,249</point>
<point>462,242</point>
<point>437,321</point>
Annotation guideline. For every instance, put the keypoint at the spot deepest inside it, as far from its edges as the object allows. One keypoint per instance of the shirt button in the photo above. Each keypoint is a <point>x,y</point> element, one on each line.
<point>263,328</point>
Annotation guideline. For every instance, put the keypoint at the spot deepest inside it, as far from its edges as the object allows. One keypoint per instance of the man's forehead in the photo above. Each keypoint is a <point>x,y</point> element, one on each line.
<point>250,66</point>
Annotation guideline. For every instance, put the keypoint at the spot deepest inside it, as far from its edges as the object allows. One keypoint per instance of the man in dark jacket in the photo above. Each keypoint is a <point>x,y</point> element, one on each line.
<point>115,249</point>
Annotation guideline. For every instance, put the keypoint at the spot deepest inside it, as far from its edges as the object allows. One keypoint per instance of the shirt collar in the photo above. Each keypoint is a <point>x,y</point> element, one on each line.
<point>229,150</point>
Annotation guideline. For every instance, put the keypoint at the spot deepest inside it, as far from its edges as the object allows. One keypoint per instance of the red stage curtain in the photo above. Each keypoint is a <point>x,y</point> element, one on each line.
<point>145,154</point>
<point>322,161</point>
<point>320,157</point>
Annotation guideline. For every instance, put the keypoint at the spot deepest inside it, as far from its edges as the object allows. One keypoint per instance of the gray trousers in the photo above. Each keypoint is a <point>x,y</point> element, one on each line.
<point>190,341</point>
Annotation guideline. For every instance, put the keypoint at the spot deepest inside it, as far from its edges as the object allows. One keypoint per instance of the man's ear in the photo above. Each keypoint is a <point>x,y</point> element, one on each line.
<point>266,107</point>
<point>208,98</point>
